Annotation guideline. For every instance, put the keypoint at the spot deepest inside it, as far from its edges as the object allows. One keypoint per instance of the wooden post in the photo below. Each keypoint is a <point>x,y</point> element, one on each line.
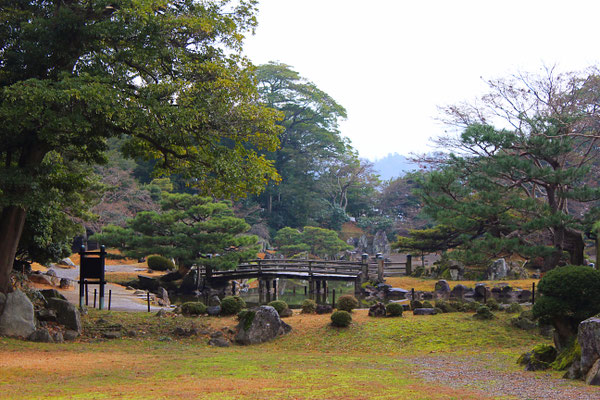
<point>484,295</point>
<point>365,268</point>
<point>333,298</point>
<point>102,281</point>
<point>274,289</point>
<point>94,298</point>
<point>148,300</point>
<point>268,284</point>
<point>412,294</point>
<point>305,290</point>
<point>86,294</point>
<point>533,293</point>
<point>81,282</point>
<point>109,298</point>
<point>408,264</point>
<point>380,267</point>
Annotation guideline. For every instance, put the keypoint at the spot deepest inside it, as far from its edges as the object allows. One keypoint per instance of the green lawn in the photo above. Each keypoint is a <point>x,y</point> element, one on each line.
<point>369,360</point>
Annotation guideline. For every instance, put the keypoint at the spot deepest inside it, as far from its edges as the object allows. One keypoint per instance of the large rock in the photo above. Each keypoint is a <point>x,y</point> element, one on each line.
<point>148,283</point>
<point>163,295</point>
<point>377,310</point>
<point>424,311</point>
<point>41,335</point>
<point>593,375</point>
<point>458,292</point>
<point>497,270</point>
<point>588,336</point>
<point>41,279</point>
<point>52,294</point>
<point>17,319</point>
<point>66,313</point>
<point>442,287</point>
<point>381,244</point>
<point>260,325</point>
<point>396,293</point>
<point>363,244</point>
<point>66,262</point>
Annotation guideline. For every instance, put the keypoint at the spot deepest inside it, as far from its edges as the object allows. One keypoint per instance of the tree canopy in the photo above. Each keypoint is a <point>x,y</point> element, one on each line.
<point>319,242</point>
<point>190,229</point>
<point>164,75</point>
<point>523,187</point>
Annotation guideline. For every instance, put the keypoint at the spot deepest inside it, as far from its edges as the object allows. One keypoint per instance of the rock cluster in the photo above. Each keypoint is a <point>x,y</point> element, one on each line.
<point>589,339</point>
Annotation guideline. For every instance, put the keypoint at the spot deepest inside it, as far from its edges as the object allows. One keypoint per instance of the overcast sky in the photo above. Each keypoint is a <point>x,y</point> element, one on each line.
<point>390,63</point>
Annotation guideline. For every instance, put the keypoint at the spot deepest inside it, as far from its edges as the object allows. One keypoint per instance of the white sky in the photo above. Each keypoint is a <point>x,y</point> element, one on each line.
<point>390,63</point>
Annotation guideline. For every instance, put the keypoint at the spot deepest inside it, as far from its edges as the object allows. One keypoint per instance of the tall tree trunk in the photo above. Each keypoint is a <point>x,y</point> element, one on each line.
<point>12,221</point>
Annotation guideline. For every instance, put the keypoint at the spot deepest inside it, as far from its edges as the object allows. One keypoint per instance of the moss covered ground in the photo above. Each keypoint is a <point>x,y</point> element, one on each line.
<point>372,359</point>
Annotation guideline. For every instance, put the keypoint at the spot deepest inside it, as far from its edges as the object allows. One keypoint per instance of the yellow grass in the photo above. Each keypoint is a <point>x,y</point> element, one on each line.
<point>407,282</point>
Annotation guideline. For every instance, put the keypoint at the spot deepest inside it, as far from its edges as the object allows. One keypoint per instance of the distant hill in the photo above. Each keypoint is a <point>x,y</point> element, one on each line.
<point>393,166</point>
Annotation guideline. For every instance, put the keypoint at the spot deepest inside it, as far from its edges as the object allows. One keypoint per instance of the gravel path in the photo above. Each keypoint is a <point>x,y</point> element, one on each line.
<point>491,377</point>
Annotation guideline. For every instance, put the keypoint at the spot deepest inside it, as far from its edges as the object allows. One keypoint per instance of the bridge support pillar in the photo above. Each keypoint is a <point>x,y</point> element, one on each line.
<point>268,284</point>
<point>261,292</point>
<point>275,289</point>
<point>357,286</point>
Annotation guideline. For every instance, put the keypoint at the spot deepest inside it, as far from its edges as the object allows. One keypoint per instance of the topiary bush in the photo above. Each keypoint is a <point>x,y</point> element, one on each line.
<point>309,306</point>
<point>569,295</point>
<point>415,304</point>
<point>231,306</point>
<point>160,263</point>
<point>347,303</point>
<point>514,308</point>
<point>278,305</point>
<point>427,304</point>
<point>445,306</point>
<point>193,308</point>
<point>492,304</point>
<point>483,313</point>
<point>394,309</point>
<point>341,318</point>
<point>471,306</point>
<point>240,301</point>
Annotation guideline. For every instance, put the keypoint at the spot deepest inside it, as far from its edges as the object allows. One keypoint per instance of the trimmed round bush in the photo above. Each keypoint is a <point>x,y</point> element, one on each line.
<point>193,308</point>
<point>278,305</point>
<point>471,306</point>
<point>427,304</point>
<point>492,304</point>
<point>241,301</point>
<point>159,263</point>
<point>347,303</point>
<point>309,306</point>
<point>231,306</point>
<point>341,318</point>
<point>394,309</point>
<point>569,295</point>
<point>514,308</point>
<point>444,306</point>
<point>483,313</point>
<point>415,304</point>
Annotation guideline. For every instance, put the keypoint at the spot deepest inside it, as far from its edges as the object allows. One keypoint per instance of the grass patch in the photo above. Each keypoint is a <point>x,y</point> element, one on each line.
<point>369,359</point>
<point>428,284</point>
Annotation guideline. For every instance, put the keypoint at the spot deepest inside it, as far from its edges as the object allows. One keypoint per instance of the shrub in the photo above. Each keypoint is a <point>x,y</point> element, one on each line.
<point>231,306</point>
<point>514,308</point>
<point>160,263</point>
<point>193,308</point>
<point>247,317</point>
<point>492,304</point>
<point>278,305</point>
<point>427,304</point>
<point>445,306</point>
<point>569,295</point>
<point>341,318</point>
<point>471,306</point>
<point>241,302</point>
<point>347,303</point>
<point>415,304</point>
<point>483,313</point>
<point>539,358</point>
<point>309,306</point>
<point>457,305</point>
<point>394,309</point>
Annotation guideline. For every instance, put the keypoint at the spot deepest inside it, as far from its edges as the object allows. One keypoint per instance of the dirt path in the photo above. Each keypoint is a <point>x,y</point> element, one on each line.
<point>492,379</point>
<point>121,298</point>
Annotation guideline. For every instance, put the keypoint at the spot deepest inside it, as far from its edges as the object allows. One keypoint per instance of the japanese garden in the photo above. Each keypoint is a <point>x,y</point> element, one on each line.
<point>180,222</point>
